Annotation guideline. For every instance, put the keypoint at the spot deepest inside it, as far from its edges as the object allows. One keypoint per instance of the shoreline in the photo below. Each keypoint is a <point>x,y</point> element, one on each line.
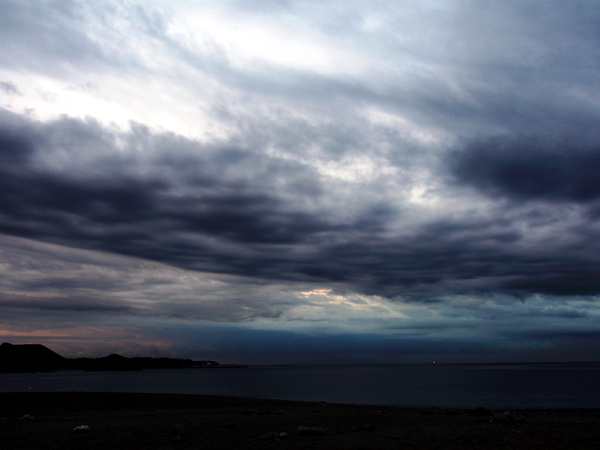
<point>31,420</point>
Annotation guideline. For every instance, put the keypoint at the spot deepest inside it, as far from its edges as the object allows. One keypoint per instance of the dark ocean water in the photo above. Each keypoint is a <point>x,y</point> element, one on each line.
<point>510,386</point>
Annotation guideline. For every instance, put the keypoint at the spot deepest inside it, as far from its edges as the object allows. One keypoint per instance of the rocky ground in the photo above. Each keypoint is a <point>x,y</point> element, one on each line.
<point>111,421</point>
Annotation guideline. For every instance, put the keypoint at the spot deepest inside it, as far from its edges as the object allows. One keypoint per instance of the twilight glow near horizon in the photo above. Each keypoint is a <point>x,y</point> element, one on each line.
<point>301,182</point>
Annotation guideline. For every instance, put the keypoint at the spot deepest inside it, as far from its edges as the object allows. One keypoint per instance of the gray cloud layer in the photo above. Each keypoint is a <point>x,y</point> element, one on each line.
<point>232,208</point>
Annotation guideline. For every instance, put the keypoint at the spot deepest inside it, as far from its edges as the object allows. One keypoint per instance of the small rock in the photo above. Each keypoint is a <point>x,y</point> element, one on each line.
<point>268,437</point>
<point>27,417</point>
<point>178,432</point>
<point>312,431</point>
<point>507,417</point>
<point>81,429</point>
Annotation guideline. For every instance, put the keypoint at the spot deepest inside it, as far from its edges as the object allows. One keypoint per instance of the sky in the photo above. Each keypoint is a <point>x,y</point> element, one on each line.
<point>274,182</point>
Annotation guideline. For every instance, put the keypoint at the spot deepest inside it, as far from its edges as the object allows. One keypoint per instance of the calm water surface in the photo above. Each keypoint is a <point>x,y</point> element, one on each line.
<point>450,386</point>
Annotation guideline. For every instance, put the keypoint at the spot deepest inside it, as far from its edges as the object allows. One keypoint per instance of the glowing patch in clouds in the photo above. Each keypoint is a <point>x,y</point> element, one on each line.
<point>320,292</point>
<point>326,305</point>
<point>282,43</point>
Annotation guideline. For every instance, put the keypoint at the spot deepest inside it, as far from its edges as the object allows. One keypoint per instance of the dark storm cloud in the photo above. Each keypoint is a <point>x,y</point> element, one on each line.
<point>224,209</point>
<point>443,262</point>
<point>151,207</point>
<point>530,169</point>
<point>69,305</point>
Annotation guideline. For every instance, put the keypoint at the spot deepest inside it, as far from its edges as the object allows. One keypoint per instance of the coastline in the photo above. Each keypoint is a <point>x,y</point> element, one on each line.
<point>130,420</point>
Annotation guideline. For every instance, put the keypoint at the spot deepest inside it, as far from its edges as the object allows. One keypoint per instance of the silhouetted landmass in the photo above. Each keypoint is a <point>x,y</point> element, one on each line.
<point>38,358</point>
<point>29,358</point>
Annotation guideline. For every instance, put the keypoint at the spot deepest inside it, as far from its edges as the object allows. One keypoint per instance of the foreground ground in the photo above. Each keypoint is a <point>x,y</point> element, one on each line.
<point>156,421</point>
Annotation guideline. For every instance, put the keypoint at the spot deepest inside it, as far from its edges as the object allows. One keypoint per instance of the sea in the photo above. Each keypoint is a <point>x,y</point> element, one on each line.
<point>494,386</point>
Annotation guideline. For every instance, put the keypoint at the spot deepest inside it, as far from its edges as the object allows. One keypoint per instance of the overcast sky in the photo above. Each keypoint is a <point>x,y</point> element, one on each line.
<point>301,181</point>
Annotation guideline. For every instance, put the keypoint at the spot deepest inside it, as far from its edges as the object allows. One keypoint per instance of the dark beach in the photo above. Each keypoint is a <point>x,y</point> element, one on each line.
<point>157,421</point>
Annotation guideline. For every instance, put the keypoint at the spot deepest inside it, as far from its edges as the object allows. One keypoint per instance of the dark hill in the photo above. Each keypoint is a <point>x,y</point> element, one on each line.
<point>29,358</point>
<point>37,358</point>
